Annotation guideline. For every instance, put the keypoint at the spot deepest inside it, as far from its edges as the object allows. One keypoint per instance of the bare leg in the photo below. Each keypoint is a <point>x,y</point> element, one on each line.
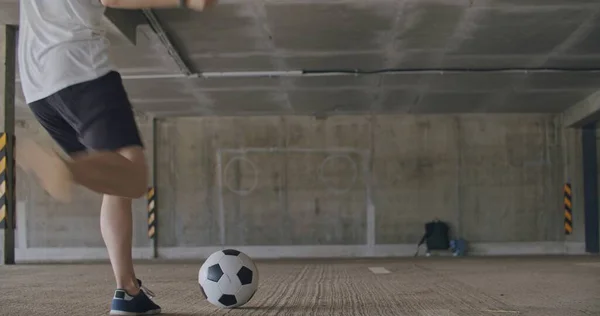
<point>116,226</point>
<point>121,173</point>
<point>111,173</point>
<point>116,221</point>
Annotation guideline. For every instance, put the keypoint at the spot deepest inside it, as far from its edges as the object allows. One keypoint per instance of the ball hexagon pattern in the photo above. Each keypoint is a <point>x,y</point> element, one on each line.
<point>228,278</point>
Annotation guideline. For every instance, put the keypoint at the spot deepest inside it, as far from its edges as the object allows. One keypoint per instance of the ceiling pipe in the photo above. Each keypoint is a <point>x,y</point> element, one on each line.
<point>333,73</point>
<point>241,74</point>
<point>330,73</point>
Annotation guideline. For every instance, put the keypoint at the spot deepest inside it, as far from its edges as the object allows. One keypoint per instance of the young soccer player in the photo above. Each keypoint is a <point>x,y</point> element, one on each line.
<point>76,94</point>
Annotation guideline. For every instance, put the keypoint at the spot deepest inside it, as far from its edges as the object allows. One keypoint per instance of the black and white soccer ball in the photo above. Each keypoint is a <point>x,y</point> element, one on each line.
<point>228,278</point>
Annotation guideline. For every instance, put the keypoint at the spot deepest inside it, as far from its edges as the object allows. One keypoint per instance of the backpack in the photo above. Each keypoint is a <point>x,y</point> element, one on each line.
<point>437,236</point>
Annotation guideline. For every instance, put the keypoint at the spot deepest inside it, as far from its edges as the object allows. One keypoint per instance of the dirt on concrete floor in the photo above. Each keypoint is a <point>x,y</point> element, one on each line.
<point>560,286</point>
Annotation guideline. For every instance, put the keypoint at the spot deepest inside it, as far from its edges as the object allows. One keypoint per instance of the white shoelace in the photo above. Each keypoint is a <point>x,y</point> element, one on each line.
<point>149,293</point>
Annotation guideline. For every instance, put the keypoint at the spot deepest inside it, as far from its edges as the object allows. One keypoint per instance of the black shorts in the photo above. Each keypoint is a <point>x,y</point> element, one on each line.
<point>94,115</point>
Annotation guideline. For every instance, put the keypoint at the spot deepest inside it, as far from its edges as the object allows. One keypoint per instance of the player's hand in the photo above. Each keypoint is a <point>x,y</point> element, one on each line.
<point>201,5</point>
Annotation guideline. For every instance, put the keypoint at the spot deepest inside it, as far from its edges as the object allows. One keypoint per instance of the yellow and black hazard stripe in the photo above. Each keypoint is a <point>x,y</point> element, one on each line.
<point>151,197</point>
<point>568,209</point>
<point>3,183</point>
<point>3,200</point>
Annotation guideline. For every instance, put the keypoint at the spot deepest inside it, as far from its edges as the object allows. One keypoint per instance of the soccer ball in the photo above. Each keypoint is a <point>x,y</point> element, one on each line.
<point>228,278</point>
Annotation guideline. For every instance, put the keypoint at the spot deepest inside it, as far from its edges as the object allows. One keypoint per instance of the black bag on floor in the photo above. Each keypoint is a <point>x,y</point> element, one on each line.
<point>437,236</point>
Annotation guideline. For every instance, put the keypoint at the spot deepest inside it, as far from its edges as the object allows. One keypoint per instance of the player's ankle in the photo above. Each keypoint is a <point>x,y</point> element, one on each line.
<point>133,291</point>
<point>130,287</point>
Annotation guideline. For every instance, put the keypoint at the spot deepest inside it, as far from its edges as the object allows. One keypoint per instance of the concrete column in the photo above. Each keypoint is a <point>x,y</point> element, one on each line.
<point>590,188</point>
<point>8,41</point>
<point>154,172</point>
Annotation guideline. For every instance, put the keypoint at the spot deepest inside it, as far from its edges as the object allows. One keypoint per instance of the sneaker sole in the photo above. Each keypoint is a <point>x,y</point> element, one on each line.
<point>121,313</point>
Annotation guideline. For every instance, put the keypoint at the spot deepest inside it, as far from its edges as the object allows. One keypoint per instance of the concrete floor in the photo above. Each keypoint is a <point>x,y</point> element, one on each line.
<point>421,287</point>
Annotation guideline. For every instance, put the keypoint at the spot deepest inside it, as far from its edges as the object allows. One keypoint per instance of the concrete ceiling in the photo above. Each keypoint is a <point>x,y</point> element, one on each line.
<point>320,35</point>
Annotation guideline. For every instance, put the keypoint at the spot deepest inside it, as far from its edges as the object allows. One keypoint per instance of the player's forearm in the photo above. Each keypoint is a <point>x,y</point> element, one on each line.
<point>141,4</point>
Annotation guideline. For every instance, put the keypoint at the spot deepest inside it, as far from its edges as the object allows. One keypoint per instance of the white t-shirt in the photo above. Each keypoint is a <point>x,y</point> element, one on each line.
<point>61,43</point>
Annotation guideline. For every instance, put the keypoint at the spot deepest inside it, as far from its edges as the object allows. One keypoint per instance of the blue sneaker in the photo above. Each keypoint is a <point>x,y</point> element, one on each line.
<point>141,304</point>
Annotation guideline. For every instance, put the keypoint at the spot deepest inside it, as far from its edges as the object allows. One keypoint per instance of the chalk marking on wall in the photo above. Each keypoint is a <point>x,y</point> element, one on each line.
<point>255,170</point>
<point>336,152</point>
<point>324,179</point>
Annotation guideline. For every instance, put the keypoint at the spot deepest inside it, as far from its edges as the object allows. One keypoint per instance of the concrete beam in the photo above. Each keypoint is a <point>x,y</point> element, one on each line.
<point>126,21</point>
<point>165,40</point>
<point>8,42</point>
<point>583,113</point>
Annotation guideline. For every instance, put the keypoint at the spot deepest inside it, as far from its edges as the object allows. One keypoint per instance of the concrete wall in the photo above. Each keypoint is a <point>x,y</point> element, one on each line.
<point>494,178</point>
<point>338,181</point>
